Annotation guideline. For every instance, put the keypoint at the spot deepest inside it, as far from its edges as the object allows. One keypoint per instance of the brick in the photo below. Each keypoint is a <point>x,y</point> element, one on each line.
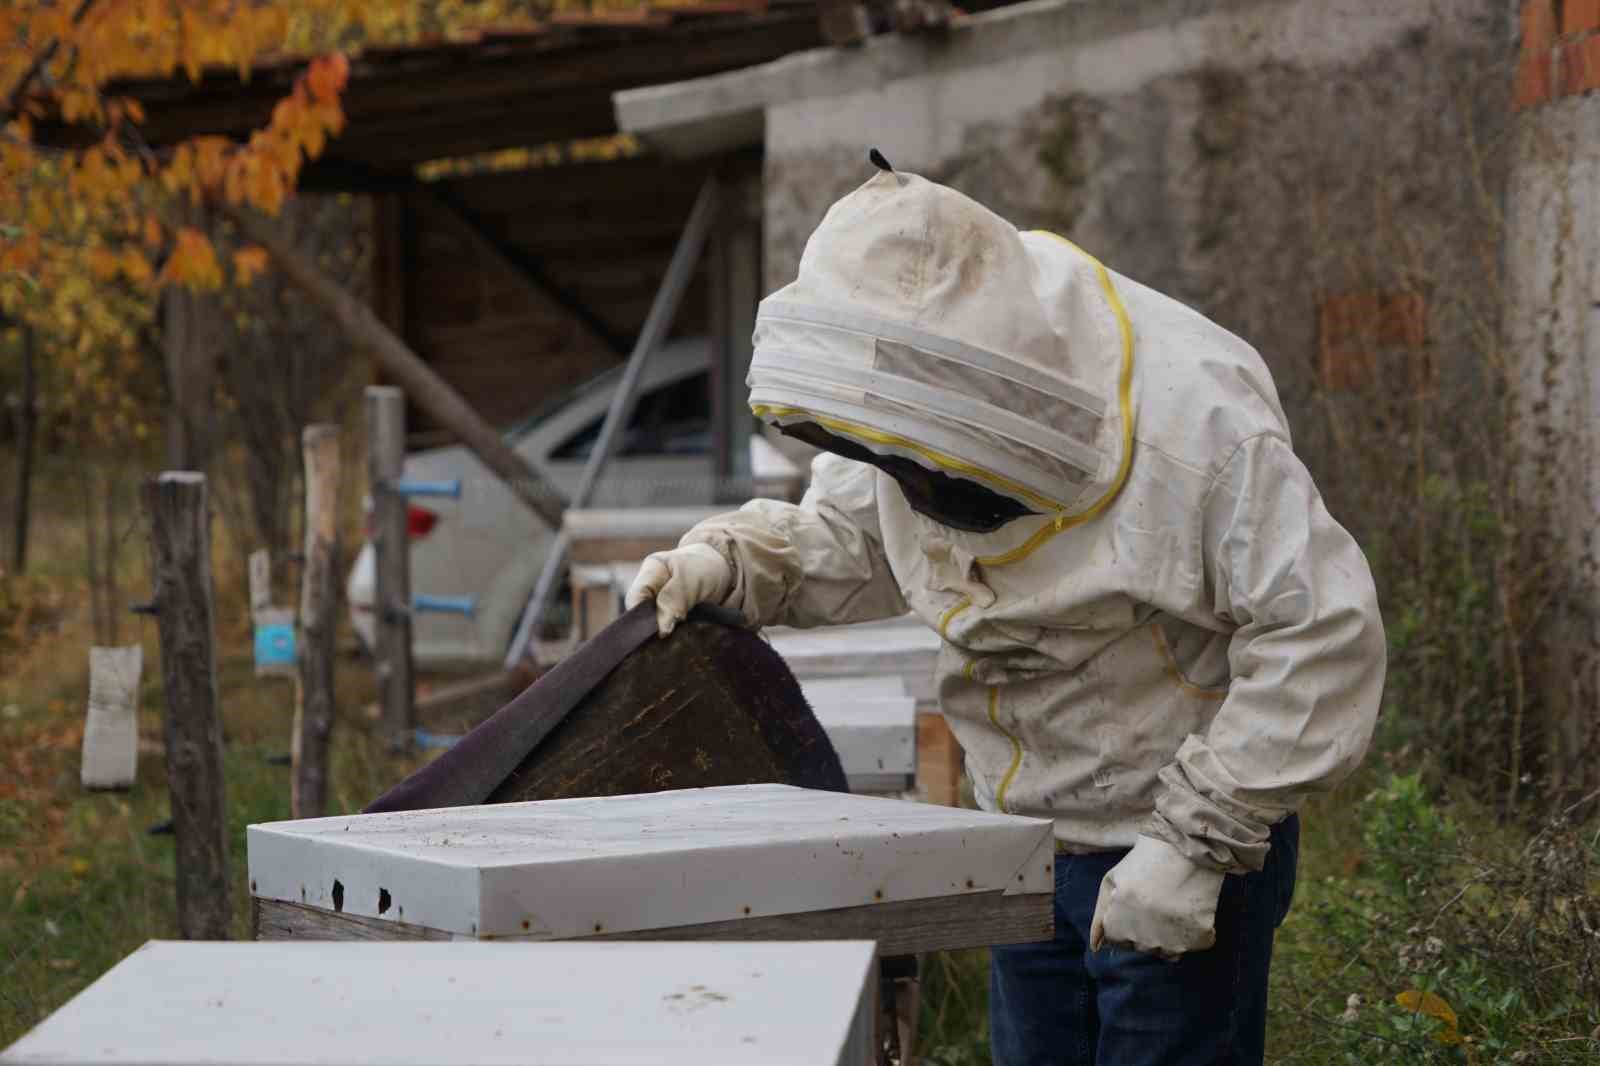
<point>1580,66</point>
<point>1533,80</point>
<point>1403,320</point>
<point>1538,26</point>
<point>1579,16</point>
<point>1357,330</point>
<point>1347,369</point>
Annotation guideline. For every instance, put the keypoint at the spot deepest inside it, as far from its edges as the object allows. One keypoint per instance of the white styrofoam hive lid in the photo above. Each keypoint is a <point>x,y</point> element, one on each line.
<point>577,867</point>
<point>871,722</point>
<point>410,1002</point>
<point>904,646</point>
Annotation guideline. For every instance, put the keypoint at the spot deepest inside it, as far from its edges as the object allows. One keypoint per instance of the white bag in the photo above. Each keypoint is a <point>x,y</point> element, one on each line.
<point>111,735</point>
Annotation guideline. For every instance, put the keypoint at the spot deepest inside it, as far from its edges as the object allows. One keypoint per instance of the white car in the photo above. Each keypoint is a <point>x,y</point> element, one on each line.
<point>486,548</point>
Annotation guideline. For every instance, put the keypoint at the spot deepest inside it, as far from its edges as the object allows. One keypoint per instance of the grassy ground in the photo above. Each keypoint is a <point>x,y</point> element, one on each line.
<point>82,881</point>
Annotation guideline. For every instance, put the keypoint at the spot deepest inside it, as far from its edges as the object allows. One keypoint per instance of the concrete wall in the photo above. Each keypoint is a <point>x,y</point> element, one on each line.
<point>1552,270</point>
<point>1239,155</point>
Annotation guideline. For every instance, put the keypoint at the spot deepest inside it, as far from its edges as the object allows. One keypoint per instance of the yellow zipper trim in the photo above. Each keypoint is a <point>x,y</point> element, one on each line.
<point>944,620</point>
<point>1124,404</point>
<point>1016,749</point>
<point>1175,672</point>
<point>938,458</point>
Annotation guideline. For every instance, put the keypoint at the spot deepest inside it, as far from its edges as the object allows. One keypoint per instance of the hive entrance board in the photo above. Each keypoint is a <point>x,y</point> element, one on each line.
<point>444,1004</point>
<point>741,862</point>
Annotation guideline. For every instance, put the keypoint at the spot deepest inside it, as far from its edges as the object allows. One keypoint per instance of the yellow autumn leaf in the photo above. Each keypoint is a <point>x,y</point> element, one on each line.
<point>327,76</point>
<point>193,261</point>
<point>249,262</point>
<point>103,263</point>
<point>135,266</point>
<point>1432,1006</point>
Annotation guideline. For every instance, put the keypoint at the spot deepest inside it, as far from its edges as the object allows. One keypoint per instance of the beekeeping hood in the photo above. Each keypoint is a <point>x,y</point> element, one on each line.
<point>924,329</point>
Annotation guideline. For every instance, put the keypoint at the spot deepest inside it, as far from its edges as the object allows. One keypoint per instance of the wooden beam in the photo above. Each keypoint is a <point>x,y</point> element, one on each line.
<point>424,387</point>
<point>901,927</point>
<point>408,105</point>
<point>525,268</point>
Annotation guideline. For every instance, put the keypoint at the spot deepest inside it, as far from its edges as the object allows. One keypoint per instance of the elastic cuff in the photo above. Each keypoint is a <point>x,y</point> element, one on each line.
<point>721,543</point>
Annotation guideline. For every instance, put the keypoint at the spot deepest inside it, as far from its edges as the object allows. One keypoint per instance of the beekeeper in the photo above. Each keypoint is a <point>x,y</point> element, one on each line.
<point>1153,632</point>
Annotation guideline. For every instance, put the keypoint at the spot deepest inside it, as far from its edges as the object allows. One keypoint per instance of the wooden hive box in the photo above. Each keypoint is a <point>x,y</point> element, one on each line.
<point>747,862</point>
<point>400,1004</point>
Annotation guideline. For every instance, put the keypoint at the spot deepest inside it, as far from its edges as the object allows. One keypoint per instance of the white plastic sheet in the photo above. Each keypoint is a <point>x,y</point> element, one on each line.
<point>111,733</point>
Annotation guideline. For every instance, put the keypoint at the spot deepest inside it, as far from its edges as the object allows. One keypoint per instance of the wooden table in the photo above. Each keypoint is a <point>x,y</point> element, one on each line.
<point>399,1004</point>
<point>748,862</point>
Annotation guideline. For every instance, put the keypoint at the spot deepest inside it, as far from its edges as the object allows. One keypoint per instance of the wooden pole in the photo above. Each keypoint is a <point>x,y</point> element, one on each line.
<point>27,416</point>
<point>180,562</point>
<point>427,389</point>
<point>319,598</point>
<point>386,434</point>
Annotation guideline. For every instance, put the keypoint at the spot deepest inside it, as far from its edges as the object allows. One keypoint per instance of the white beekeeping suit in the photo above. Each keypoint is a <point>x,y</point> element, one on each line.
<point>1152,627</point>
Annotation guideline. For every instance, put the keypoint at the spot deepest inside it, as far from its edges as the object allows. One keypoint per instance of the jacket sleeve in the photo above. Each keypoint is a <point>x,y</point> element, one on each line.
<point>819,562</point>
<point>1306,660</point>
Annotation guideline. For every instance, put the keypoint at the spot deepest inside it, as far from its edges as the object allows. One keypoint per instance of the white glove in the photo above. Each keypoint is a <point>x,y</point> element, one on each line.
<point>1155,900</point>
<point>679,579</point>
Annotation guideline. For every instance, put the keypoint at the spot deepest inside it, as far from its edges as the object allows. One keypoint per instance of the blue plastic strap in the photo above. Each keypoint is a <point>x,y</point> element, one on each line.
<point>451,488</point>
<point>462,605</point>
<point>434,741</point>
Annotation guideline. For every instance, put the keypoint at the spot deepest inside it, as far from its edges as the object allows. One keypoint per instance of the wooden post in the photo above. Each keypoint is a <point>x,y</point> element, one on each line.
<point>180,562</point>
<point>426,388</point>
<point>27,418</point>
<point>319,598</point>
<point>386,452</point>
<point>940,760</point>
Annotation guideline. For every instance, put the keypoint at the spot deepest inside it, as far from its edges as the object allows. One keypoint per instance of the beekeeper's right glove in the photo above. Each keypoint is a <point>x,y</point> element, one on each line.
<point>679,579</point>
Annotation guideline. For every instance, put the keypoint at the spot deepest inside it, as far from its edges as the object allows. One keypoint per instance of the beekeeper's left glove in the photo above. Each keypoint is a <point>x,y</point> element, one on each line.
<point>1155,900</point>
<point>679,579</point>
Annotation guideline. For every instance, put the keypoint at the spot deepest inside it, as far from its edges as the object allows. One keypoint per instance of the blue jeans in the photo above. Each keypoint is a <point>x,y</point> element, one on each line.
<point>1057,1002</point>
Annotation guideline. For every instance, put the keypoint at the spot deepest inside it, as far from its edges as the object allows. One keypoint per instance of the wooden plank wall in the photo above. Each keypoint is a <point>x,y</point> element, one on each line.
<point>601,233</point>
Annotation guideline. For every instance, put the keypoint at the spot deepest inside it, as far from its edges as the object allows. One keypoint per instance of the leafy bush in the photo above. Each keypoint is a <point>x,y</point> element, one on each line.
<point>1451,944</point>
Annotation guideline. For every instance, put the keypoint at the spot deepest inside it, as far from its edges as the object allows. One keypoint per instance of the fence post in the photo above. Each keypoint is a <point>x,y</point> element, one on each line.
<point>180,564</point>
<point>319,598</point>
<point>386,452</point>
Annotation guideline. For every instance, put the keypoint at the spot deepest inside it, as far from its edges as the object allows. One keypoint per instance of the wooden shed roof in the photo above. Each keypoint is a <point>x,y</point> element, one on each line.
<point>490,90</point>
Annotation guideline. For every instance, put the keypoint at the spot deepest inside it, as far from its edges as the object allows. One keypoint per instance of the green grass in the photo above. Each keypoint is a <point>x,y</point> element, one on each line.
<point>94,885</point>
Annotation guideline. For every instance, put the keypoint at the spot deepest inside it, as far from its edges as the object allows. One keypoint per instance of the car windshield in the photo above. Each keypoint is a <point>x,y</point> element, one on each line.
<point>602,382</point>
